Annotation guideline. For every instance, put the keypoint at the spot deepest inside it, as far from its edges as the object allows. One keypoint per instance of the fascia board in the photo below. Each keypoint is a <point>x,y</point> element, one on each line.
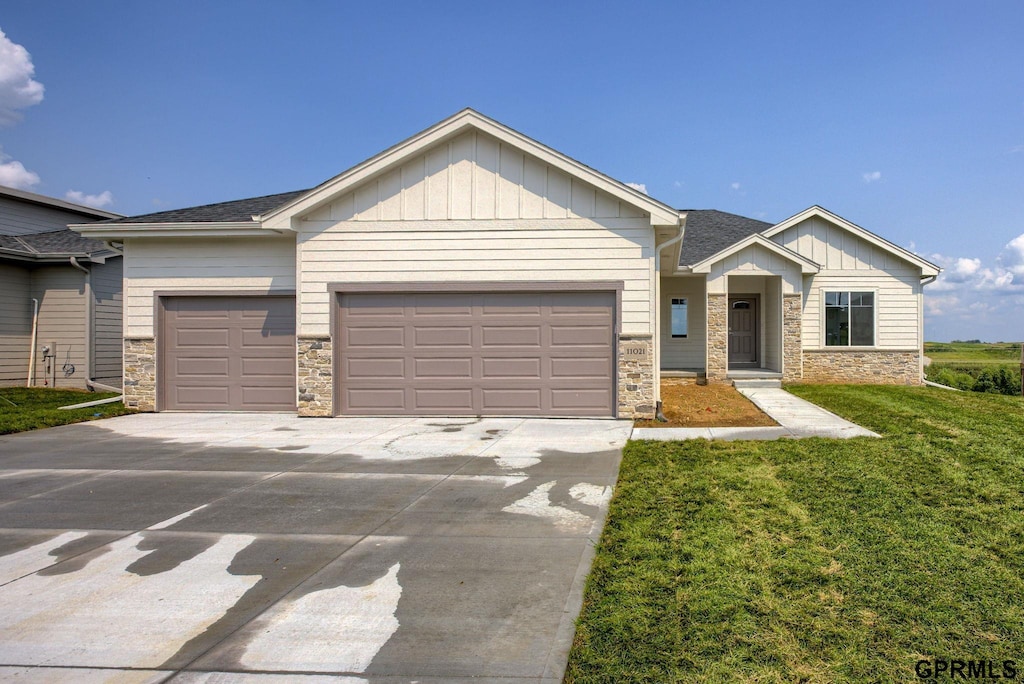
<point>927,267</point>
<point>133,230</point>
<point>280,218</point>
<point>806,265</point>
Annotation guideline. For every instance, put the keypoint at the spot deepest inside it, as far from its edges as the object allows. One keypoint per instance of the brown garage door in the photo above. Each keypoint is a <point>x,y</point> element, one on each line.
<point>227,353</point>
<point>501,353</point>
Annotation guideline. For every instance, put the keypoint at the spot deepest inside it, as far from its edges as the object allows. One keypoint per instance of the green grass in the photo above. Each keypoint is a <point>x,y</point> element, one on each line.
<point>36,407</point>
<point>815,560</point>
<point>973,352</point>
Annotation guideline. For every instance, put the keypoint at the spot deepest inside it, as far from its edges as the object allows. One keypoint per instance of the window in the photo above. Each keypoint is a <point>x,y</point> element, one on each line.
<point>849,319</point>
<point>679,326</point>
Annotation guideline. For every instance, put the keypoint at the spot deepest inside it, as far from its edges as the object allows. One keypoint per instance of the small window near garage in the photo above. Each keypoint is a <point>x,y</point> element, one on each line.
<point>849,319</point>
<point>679,322</point>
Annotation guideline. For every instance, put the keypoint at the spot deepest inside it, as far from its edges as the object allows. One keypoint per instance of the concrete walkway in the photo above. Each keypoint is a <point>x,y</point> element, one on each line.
<point>796,418</point>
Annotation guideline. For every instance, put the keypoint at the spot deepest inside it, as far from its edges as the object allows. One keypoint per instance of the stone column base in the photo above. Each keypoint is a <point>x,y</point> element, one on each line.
<point>792,342</point>
<point>315,377</point>
<point>140,373</point>
<point>718,337</point>
<point>636,395</point>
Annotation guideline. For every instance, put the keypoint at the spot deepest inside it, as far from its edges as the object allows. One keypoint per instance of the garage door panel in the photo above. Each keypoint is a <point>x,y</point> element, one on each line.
<point>227,353</point>
<point>535,353</point>
<point>455,367</point>
<point>448,337</point>
<point>373,337</point>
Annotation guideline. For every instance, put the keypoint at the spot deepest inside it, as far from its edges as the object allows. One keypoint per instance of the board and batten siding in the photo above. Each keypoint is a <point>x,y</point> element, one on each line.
<point>850,263</point>
<point>473,209</point>
<point>107,291</point>
<point>753,260</point>
<point>203,265</point>
<point>15,324</point>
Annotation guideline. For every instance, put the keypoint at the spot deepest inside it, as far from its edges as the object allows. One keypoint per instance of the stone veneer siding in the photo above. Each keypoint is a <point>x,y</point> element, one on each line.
<point>868,366</point>
<point>636,377</point>
<point>140,373</point>
<point>792,358</point>
<point>316,377</point>
<point>718,337</point>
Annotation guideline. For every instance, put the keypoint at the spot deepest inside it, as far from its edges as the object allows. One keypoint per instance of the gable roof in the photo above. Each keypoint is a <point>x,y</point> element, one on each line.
<point>927,268</point>
<point>280,217</point>
<point>235,211</point>
<point>709,231</point>
<point>57,244</point>
<point>54,203</point>
<point>806,265</point>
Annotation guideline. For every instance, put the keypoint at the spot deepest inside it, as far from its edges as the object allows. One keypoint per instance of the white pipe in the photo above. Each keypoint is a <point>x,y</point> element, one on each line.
<point>87,404</point>
<point>87,287</point>
<point>32,349</point>
<point>93,386</point>
<point>657,306</point>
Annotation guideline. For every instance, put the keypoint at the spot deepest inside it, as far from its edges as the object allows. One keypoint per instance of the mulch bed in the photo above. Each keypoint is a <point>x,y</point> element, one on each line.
<point>687,404</point>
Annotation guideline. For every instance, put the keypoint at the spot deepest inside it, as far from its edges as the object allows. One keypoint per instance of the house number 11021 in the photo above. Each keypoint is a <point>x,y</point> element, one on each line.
<point>635,351</point>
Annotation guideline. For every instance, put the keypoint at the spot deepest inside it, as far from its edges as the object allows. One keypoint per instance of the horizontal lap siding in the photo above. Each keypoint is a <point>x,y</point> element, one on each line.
<point>688,352</point>
<point>15,324</point>
<point>204,265</point>
<point>18,217</point>
<point>520,250</point>
<point>850,263</point>
<point>107,291</point>
<point>62,312</point>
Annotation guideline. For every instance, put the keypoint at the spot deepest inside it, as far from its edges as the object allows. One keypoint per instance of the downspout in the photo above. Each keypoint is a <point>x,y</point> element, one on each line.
<point>32,349</point>
<point>920,317</point>
<point>87,356</point>
<point>658,415</point>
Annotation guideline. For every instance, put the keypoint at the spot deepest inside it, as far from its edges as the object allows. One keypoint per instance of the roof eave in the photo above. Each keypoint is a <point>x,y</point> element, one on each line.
<point>120,231</point>
<point>280,218</point>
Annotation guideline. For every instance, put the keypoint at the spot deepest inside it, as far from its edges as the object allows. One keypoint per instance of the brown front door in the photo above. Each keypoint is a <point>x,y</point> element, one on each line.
<point>227,353</point>
<point>477,353</point>
<point>743,331</point>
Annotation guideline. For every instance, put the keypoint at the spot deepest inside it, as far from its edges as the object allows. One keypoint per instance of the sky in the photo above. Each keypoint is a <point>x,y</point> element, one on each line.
<point>906,118</point>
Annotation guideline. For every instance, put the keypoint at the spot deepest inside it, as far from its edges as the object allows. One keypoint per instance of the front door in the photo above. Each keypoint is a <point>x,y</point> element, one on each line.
<point>743,331</point>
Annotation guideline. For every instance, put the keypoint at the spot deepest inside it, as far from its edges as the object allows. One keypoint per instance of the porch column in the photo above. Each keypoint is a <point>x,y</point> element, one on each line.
<point>792,345</point>
<point>717,337</point>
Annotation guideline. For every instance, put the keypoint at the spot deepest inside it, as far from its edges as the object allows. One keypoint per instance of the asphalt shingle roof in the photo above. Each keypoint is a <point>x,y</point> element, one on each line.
<point>709,231</point>
<point>234,211</point>
<point>53,243</point>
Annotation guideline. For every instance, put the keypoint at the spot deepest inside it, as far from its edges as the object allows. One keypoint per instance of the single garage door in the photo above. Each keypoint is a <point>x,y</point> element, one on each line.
<point>494,353</point>
<point>227,353</point>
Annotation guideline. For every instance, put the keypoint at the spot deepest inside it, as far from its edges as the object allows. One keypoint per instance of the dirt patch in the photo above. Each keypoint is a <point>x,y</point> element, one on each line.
<point>687,404</point>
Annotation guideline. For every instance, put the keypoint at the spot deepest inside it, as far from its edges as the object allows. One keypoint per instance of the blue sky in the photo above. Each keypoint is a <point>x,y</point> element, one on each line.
<point>906,118</point>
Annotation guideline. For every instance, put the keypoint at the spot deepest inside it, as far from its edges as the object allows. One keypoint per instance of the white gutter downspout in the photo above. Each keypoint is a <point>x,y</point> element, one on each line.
<point>88,317</point>
<point>924,281</point>
<point>32,349</point>
<point>657,314</point>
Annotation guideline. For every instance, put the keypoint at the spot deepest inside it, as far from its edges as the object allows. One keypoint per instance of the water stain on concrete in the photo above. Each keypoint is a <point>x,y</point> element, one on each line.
<point>285,428</point>
<point>292,447</point>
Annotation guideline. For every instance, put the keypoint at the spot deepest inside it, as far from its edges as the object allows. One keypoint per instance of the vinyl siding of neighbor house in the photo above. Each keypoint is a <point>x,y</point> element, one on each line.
<point>688,352</point>
<point>62,321</point>
<point>850,263</point>
<point>18,217</point>
<point>107,345</point>
<point>15,324</point>
<point>469,210</point>
<point>204,265</point>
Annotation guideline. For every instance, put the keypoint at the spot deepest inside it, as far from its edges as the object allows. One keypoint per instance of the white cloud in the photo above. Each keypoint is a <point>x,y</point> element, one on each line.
<point>679,184</point>
<point>735,186</point>
<point>871,176</point>
<point>1012,256</point>
<point>1016,148</point>
<point>13,174</point>
<point>104,199</point>
<point>642,187</point>
<point>18,89</point>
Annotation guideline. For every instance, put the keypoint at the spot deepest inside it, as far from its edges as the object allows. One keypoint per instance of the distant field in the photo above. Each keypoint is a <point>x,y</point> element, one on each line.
<point>973,352</point>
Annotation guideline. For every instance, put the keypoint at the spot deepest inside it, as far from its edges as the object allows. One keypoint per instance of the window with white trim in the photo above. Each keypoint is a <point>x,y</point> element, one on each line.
<point>849,319</point>
<point>679,323</point>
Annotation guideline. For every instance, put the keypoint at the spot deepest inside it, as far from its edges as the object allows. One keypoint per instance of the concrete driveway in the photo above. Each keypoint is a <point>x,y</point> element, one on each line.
<point>213,547</point>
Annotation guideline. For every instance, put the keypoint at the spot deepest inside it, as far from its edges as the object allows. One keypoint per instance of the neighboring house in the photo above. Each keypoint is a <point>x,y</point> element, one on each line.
<point>470,270</point>
<point>70,285</point>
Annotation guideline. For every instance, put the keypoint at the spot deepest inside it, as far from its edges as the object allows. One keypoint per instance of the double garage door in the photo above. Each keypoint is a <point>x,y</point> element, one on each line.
<point>420,353</point>
<point>476,353</point>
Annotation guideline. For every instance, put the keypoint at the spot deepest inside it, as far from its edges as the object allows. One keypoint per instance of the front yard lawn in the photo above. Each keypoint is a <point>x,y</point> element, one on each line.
<point>816,560</point>
<point>30,408</point>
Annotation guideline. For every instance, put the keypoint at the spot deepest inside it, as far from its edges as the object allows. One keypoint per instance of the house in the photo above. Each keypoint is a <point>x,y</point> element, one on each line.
<point>59,291</point>
<point>471,270</point>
